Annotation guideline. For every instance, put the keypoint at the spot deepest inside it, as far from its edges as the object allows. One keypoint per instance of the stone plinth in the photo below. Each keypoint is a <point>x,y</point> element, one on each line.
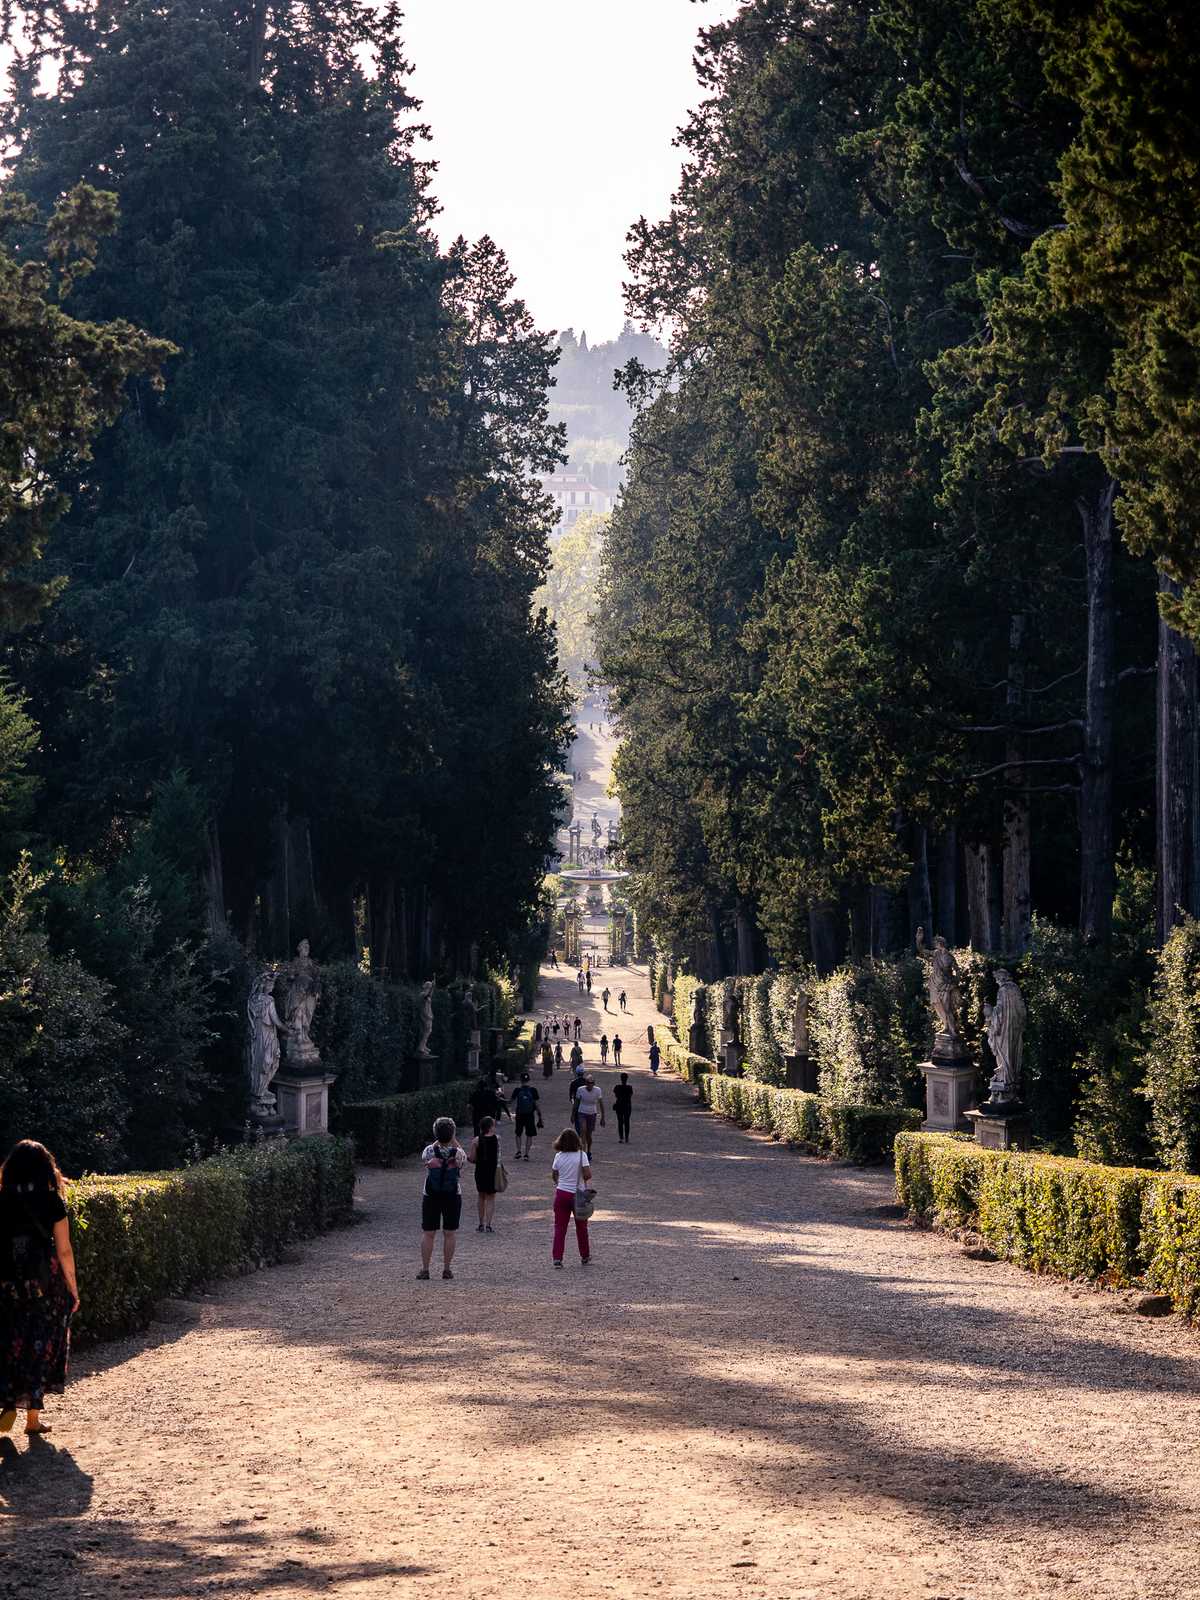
<point>696,1039</point>
<point>951,1089</point>
<point>1006,1128</point>
<point>425,1066</point>
<point>473,1049</point>
<point>304,1101</point>
<point>801,1073</point>
<point>732,1064</point>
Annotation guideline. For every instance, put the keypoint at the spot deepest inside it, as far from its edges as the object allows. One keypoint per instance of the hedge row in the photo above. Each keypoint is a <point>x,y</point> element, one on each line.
<point>143,1237</point>
<point>862,1134</point>
<point>681,1060</point>
<point>1116,1225</point>
<point>398,1125</point>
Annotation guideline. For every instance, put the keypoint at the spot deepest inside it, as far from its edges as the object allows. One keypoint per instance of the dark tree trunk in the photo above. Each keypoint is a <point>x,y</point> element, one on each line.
<point>888,912</point>
<point>983,897</point>
<point>920,896</point>
<point>214,880</point>
<point>1177,779</point>
<point>1097,858</point>
<point>1016,909</point>
<point>825,936</point>
<point>302,888</point>
<point>276,897</point>
<point>945,885</point>
<point>720,947</point>
<point>744,922</point>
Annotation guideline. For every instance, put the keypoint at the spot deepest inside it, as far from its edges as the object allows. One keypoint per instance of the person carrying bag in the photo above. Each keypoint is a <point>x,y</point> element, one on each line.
<point>573,1195</point>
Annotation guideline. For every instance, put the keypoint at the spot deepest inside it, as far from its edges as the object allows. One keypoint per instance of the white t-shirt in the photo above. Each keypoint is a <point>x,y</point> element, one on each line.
<point>568,1166</point>
<point>588,1101</point>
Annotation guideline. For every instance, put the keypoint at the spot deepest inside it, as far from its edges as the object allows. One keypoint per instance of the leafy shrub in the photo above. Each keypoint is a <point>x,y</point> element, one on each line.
<point>143,1237</point>
<point>858,1021</point>
<point>1173,1050</point>
<point>1048,1213</point>
<point>763,1058</point>
<point>685,988</point>
<point>1170,1243</point>
<point>387,1129</point>
<point>1113,1115</point>
<point>858,1133</point>
<point>680,1060</point>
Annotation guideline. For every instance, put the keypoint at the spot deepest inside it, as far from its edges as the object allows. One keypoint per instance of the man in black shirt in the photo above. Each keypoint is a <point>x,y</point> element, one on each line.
<point>529,1118</point>
<point>623,1105</point>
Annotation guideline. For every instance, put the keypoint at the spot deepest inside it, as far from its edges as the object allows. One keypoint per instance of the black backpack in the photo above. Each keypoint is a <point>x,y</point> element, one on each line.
<point>526,1099</point>
<point>443,1179</point>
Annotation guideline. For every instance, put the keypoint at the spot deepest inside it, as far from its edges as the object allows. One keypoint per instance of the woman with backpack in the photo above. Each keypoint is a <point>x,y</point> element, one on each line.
<point>441,1197</point>
<point>572,1174</point>
<point>38,1291</point>
<point>484,1156</point>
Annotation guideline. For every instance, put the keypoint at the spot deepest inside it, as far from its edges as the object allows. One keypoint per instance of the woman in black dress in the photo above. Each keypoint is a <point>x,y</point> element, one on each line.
<point>484,1155</point>
<point>38,1291</point>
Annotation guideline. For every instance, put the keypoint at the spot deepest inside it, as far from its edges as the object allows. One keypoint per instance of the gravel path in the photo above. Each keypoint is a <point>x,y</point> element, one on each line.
<point>765,1385</point>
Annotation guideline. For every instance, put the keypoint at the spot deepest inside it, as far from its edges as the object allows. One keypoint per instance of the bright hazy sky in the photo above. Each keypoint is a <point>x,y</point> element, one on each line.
<point>552,123</point>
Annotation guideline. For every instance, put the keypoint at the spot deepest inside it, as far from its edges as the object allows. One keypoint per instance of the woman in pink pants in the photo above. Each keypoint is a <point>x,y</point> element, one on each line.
<point>571,1171</point>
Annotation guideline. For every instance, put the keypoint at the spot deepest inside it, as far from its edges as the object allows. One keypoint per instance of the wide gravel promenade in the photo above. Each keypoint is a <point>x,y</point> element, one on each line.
<point>765,1385</point>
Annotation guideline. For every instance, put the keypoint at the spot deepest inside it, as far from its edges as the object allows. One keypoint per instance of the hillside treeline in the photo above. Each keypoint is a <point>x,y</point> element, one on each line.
<point>279,675</point>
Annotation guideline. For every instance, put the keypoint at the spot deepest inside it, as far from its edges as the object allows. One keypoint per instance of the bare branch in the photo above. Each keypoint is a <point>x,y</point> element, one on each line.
<point>1013,727</point>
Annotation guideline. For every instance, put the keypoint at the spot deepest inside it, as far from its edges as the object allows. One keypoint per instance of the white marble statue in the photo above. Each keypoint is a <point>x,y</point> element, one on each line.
<point>263,1027</point>
<point>471,1011</point>
<point>426,1018</point>
<point>1006,1036</point>
<point>302,990</point>
<point>945,993</point>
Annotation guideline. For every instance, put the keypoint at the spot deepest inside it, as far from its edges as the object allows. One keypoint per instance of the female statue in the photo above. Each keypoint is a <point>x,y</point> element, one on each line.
<point>262,1041</point>
<point>1006,1034</point>
<point>302,990</point>
<point>426,1017</point>
<point>945,992</point>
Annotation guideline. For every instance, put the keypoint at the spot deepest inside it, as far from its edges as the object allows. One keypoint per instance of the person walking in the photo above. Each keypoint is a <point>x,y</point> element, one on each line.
<point>588,977</point>
<point>441,1197</point>
<point>554,961</point>
<point>558,1058</point>
<point>622,1002</point>
<point>578,1029</point>
<point>604,996</point>
<point>579,978</point>
<point>484,1156</point>
<point>529,1117</point>
<point>484,1102</point>
<point>571,1173</point>
<point>576,1057</point>
<point>655,1058</point>
<point>39,1293</point>
<point>554,1027</point>
<point>589,1103</point>
<point>603,1049</point>
<point>616,1049</point>
<point>622,1106</point>
<point>547,1060</point>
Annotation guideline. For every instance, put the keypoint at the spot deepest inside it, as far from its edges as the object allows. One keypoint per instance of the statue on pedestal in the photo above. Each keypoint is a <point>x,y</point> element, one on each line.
<point>945,995</point>
<point>800,1022</point>
<point>1006,1036</point>
<point>471,1011</point>
<point>302,990</point>
<point>729,1016</point>
<point>426,1018</point>
<point>263,1027</point>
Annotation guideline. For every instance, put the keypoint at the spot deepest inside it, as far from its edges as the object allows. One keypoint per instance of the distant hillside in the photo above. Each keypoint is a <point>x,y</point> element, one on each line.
<point>597,416</point>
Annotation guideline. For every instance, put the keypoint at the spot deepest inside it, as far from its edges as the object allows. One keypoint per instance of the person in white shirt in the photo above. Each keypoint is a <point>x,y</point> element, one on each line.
<point>571,1171</point>
<point>589,1103</point>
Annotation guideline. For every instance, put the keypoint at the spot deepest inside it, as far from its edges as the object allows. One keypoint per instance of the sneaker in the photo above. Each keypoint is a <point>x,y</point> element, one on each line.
<point>585,1261</point>
<point>489,1229</point>
<point>446,1273</point>
<point>479,1229</point>
<point>424,1273</point>
<point>557,1266</point>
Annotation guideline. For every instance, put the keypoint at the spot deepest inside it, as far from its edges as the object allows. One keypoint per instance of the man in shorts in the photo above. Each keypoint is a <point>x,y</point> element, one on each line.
<point>525,1104</point>
<point>441,1198</point>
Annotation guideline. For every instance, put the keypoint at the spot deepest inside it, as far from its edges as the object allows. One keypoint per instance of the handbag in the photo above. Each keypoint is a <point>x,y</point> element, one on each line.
<point>501,1178</point>
<point>585,1199</point>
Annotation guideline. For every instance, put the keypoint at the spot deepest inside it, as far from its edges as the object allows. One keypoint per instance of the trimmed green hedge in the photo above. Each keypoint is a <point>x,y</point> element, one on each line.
<point>681,1060</point>
<point>862,1134</point>
<point>386,1130</point>
<point>1116,1225</point>
<point>143,1237</point>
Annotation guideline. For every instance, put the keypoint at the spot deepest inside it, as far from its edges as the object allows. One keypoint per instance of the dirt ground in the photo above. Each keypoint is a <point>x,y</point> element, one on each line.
<point>765,1385</point>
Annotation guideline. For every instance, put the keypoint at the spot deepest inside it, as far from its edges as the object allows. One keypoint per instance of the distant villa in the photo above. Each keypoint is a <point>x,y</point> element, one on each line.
<point>575,495</point>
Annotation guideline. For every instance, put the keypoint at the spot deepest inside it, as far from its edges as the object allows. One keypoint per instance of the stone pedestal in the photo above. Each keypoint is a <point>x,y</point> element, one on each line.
<point>801,1073</point>
<point>696,1039</point>
<point>304,1101</point>
<point>1005,1128</point>
<point>951,1089</point>
<point>732,1062</point>
<point>426,1066</point>
<point>473,1048</point>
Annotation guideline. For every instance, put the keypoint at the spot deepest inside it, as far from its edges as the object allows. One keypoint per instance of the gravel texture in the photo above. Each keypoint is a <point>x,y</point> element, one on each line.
<point>766,1384</point>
